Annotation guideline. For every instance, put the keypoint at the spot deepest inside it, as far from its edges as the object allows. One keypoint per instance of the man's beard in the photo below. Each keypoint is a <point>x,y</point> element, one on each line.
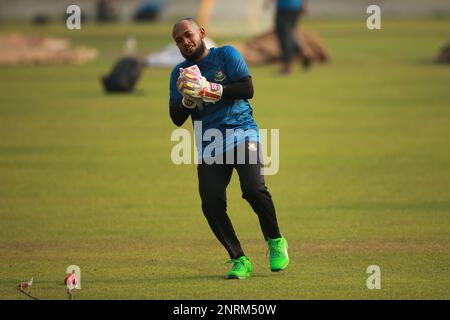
<point>197,53</point>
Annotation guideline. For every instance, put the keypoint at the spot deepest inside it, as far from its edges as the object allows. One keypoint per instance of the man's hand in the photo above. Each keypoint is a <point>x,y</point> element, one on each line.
<point>207,91</point>
<point>193,84</point>
<point>189,79</point>
<point>191,103</point>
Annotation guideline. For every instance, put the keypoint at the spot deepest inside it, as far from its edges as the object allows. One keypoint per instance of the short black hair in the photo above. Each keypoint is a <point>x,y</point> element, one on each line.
<point>190,20</point>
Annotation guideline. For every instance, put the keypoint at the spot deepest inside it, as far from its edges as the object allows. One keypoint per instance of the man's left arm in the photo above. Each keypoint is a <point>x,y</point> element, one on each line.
<point>242,89</point>
<point>241,86</point>
<point>213,92</point>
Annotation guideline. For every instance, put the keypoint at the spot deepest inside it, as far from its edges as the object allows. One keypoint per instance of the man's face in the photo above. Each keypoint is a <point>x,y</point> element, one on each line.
<point>189,39</point>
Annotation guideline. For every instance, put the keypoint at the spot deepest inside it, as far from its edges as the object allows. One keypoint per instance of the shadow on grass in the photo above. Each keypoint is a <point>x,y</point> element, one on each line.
<point>176,279</point>
<point>221,277</point>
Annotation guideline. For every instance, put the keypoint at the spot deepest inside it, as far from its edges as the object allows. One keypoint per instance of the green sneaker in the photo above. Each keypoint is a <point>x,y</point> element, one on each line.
<point>279,258</point>
<point>242,268</point>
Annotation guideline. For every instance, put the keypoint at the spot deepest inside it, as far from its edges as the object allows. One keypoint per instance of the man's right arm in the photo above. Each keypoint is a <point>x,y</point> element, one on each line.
<point>179,114</point>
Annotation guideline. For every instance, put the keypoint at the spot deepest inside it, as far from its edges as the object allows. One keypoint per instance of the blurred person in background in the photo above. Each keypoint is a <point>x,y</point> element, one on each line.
<point>287,16</point>
<point>106,11</point>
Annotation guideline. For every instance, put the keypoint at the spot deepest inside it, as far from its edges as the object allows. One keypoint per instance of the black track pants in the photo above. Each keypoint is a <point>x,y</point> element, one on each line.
<point>213,181</point>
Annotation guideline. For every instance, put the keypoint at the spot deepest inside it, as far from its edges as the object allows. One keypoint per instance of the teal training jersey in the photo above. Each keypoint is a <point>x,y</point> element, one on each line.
<point>233,118</point>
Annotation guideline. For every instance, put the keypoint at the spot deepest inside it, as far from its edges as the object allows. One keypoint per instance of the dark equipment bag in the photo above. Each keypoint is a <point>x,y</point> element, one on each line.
<point>123,76</point>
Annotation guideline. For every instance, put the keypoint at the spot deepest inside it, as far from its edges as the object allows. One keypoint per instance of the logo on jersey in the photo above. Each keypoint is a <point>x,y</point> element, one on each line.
<point>219,76</point>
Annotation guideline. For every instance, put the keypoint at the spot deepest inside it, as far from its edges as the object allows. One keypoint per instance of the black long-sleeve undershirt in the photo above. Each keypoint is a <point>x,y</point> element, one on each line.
<point>242,89</point>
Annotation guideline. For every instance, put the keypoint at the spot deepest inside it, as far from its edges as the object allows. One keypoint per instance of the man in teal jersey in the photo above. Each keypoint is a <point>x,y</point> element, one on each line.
<point>213,87</point>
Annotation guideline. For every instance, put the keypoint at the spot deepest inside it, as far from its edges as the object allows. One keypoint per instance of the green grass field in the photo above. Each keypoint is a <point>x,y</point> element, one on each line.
<point>86,178</point>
